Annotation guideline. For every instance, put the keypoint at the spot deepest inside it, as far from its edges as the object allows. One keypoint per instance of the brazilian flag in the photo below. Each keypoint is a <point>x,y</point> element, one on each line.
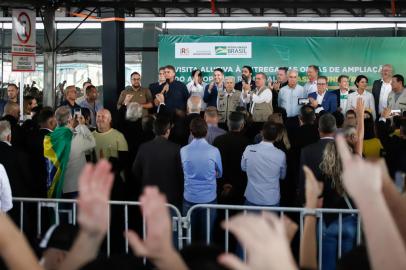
<point>56,151</point>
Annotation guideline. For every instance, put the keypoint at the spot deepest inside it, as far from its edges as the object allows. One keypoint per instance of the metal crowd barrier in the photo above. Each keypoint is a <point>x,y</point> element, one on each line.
<point>55,206</point>
<point>281,211</point>
<point>179,222</point>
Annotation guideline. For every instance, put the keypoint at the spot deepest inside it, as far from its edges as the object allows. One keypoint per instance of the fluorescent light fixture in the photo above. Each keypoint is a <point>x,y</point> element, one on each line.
<point>193,25</point>
<point>402,25</point>
<point>82,26</point>
<point>38,25</point>
<point>133,25</point>
<point>309,26</point>
<point>244,25</point>
<point>351,26</point>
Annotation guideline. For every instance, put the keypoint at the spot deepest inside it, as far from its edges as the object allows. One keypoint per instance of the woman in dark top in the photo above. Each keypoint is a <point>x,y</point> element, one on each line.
<point>334,196</point>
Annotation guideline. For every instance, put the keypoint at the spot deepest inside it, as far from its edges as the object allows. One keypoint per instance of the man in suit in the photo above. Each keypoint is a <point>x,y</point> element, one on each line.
<point>381,89</point>
<point>247,80</point>
<point>35,150</point>
<point>16,163</point>
<point>312,155</point>
<point>12,115</point>
<point>342,93</point>
<point>323,100</point>
<point>163,170</point>
<point>231,146</point>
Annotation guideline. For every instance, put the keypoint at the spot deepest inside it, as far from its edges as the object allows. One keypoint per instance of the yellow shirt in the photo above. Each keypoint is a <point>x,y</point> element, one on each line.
<point>372,148</point>
<point>109,143</point>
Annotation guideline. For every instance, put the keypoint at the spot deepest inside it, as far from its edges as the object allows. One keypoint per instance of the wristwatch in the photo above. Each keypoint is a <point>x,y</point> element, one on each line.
<point>309,212</point>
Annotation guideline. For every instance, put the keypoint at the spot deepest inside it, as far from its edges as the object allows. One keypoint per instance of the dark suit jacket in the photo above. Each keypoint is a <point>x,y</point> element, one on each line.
<point>338,93</point>
<point>158,163</point>
<point>311,156</point>
<point>17,168</point>
<point>231,146</point>
<point>17,133</point>
<point>238,86</point>
<point>376,91</point>
<point>329,102</point>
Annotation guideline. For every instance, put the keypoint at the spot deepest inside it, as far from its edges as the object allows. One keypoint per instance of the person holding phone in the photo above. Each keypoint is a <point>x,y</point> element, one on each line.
<point>70,99</point>
<point>137,94</point>
<point>323,100</point>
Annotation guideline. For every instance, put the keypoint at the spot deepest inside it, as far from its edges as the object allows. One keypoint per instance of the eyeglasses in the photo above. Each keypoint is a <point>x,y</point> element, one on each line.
<point>321,83</point>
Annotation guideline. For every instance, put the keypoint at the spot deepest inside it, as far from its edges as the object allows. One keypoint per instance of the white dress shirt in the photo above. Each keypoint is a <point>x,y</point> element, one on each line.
<point>310,87</point>
<point>6,199</point>
<point>264,96</point>
<point>320,101</point>
<point>386,88</point>
<point>368,101</point>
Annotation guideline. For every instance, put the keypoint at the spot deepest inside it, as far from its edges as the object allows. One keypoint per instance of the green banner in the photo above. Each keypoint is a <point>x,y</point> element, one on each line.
<point>351,56</point>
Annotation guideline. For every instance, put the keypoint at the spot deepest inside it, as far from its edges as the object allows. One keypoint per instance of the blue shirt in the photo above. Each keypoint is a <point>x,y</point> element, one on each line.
<point>93,108</point>
<point>288,99</point>
<point>212,133</point>
<point>265,166</point>
<point>201,164</point>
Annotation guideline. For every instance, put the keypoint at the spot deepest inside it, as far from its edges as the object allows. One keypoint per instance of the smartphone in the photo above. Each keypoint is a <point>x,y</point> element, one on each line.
<point>77,112</point>
<point>395,112</point>
<point>303,101</point>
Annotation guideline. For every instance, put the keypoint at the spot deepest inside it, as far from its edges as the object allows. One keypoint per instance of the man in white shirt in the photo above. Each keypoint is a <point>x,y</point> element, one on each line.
<point>260,99</point>
<point>196,86</point>
<point>382,87</point>
<point>312,74</point>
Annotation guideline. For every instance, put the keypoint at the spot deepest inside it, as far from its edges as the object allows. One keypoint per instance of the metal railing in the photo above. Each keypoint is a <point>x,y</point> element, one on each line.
<point>181,223</point>
<point>320,214</point>
<point>70,208</point>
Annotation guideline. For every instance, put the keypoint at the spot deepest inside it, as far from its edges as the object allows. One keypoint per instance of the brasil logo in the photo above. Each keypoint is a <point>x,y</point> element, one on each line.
<point>221,50</point>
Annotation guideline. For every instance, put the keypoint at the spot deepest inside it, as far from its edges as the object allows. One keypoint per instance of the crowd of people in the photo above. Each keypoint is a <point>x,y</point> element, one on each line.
<point>253,142</point>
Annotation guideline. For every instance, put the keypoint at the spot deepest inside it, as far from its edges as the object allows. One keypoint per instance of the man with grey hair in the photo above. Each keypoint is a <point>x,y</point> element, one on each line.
<point>260,99</point>
<point>228,99</point>
<point>77,140</point>
<point>16,165</point>
<point>381,89</point>
<point>290,97</point>
<point>12,115</point>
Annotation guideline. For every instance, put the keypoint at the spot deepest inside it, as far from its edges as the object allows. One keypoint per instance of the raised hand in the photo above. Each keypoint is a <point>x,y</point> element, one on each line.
<point>313,189</point>
<point>360,178</point>
<point>95,183</point>
<point>158,243</point>
<point>265,240</point>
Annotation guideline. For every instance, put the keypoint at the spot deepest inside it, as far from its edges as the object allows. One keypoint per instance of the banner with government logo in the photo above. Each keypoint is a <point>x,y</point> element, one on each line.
<point>334,55</point>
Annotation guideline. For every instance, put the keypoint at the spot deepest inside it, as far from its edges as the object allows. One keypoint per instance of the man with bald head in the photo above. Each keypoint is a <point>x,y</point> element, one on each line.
<point>109,141</point>
<point>12,114</point>
<point>70,99</point>
<point>382,87</point>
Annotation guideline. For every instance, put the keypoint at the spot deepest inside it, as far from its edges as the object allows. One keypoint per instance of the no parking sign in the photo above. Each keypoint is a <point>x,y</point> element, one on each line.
<point>23,41</point>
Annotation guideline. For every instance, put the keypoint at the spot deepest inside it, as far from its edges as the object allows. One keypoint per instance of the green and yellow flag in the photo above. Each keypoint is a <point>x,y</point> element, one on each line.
<point>57,146</point>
